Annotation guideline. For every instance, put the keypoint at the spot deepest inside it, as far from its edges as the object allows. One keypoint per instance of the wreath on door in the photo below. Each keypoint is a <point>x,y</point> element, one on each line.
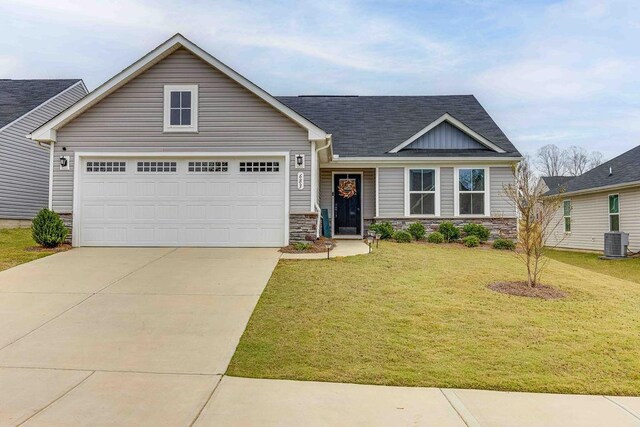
<point>347,188</point>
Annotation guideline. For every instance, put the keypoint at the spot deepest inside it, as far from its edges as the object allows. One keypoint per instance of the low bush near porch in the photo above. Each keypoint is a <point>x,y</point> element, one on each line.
<point>422,315</point>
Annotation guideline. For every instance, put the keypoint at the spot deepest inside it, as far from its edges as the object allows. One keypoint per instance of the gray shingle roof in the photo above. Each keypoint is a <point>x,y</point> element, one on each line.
<point>625,169</point>
<point>556,181</point>
<point>18,97</point>
<point>366,126</point>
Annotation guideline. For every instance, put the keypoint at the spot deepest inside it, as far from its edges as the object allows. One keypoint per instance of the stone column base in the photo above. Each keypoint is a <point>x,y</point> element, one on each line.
<point>302,226</point>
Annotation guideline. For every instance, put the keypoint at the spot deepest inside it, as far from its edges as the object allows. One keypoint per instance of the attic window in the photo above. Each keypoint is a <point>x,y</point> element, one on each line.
<point>181,108</point>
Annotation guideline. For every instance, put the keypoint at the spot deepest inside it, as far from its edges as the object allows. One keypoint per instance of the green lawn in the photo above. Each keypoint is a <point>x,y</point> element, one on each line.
<point>421,315</point>
<point>628,269</point>
<point>13,242</point>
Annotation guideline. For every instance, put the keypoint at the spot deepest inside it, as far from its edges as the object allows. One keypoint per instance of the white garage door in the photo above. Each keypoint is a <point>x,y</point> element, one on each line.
<point>181,202</point>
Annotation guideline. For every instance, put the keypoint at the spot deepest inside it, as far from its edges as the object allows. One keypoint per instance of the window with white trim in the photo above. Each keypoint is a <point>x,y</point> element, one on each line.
<point>422,192</point>
<point>106,166</point>
<point>614,212</point>
<point>471,191</point>
<point>181,108</point>
<point>208,166</point>
<point>259,166</point>
<point>155,166</point>
<point>566,211</point>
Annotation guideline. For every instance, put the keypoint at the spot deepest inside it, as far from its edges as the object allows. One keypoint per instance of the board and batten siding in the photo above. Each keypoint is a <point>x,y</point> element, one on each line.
<point>590,220</point>
<point>445,136</point>
<point>391,192</point>
<point>230,119</point>
<point>24,165</point>
<point>368,190</point>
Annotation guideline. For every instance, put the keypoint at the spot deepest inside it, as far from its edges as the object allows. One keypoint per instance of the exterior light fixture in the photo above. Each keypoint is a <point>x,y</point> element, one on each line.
<point>328,244</point>
<point>378,236</point>
<point>369,241</point>
<point>299,164</point>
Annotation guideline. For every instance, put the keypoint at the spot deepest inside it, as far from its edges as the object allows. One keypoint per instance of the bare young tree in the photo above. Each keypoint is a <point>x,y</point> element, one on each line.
<point>549,161</point>
<point>537,219</point>
<point>576,160</point>
<point>596,158</point>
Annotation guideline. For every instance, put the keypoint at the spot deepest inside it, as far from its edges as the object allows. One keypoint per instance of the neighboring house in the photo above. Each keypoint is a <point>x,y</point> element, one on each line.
<point>606,198</point>
<point>24,166</point>
<point>546,183</point>
<point>179,149</point>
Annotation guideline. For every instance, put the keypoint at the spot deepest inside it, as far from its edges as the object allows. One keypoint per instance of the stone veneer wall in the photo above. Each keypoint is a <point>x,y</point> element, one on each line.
<point>302,226</point>
<point>67,218</point>
<point>506,228</point>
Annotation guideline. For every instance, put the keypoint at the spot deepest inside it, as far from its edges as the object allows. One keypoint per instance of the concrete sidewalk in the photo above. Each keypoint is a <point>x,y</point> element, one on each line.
<point>342,248</point>
<point>249,402</point>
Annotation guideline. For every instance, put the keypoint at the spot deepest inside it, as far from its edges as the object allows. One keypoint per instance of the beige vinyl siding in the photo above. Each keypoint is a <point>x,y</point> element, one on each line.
<point>391,192</point>
<point>500,205</point>
<point>368,190</point>
<point>446,192</point>
<point>24,165</point>
<point>230,118</point>
<point>590,220</point>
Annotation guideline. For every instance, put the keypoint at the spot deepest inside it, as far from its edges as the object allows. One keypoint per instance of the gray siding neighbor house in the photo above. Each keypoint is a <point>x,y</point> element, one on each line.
<point>606,198</point>
<point>25,166</point>
<point>180,150</point>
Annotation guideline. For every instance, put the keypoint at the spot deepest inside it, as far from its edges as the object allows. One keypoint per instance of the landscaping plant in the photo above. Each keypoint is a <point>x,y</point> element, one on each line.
<point>435,237</point>
<point>384,229</point>
<point>302,246</point>
<point>504,244</point>
<point>449,231</point>
<point>417,230</point>
<point>478,230</point>
<point>471,241</point>
<point>48,230</point>
<point>402,236</point>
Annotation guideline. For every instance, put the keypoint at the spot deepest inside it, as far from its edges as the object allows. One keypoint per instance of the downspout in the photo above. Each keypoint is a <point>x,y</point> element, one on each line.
<point>317,205</point>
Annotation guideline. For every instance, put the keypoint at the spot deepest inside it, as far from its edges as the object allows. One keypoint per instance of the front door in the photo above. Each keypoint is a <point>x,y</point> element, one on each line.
<point>347,190</point>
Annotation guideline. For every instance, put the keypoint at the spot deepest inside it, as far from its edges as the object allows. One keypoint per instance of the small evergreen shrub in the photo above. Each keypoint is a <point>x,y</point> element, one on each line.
<point>504,244</point>
<point>471,241</point>
<point>435,237</point>
<point>417,230</point>
<point>384,229</point>
<point>402,236</point>
<point>302,246</point>
<point>449,231</point>
<point>478,230</point>
<point>48,230</point>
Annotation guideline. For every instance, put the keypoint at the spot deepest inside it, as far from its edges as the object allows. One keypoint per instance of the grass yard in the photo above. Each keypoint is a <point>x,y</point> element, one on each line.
<point>627,269</point>
<point>13,245</point>
<point>421,315</point>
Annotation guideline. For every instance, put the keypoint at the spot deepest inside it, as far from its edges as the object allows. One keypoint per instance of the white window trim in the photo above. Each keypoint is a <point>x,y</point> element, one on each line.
<point>564,217</point>
<point>407,192</point>
<point>609,212</point>
<point>487,191</point>
<point>193,127</point>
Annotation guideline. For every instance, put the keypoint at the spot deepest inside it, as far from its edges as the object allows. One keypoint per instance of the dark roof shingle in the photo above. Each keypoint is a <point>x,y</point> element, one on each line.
<point>366,126</point>
<point>18,97</point>
<point>556,181</point>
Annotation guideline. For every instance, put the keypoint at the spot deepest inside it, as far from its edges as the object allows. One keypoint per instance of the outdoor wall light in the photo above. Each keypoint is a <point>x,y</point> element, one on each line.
<point>299,161</point>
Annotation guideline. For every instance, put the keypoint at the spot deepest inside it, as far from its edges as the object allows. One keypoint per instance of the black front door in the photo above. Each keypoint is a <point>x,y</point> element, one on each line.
<point>347,190</point>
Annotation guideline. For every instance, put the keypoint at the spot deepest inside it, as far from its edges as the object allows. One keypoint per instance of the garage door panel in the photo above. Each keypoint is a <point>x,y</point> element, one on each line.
<point>182,208</point>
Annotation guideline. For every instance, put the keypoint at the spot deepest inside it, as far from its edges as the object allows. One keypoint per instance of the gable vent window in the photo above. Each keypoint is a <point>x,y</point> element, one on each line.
<point>208,166</point>
<point>181,108</point>
<point>106,167</point>
<point>259,166</point>
<point>156,166</point>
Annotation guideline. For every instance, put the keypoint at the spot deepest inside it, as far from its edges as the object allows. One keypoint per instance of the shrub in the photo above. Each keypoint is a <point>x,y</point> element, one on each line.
<point>417,230</point>
<point>384,229</point>
<point>478,230</point>
<point>504,244</point>
<point>471,241</point>
<point>302,246</point>
<point>47,229</point>
<point>449,231</point>
<point>402,236</point>
<point>435,237</point>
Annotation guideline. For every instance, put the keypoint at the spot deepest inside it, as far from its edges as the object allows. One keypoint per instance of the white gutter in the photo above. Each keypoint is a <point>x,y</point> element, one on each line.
<point>315,183</point>
<point>404,160</point>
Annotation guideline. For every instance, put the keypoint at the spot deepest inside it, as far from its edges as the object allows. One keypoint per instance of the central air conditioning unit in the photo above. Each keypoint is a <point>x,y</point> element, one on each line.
<point>615,244</point>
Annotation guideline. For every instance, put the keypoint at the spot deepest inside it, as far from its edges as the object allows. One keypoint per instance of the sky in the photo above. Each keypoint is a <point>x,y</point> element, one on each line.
<point>548,72</point>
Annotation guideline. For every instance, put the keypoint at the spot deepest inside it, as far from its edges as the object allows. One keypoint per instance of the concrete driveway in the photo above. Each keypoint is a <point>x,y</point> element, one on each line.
<point>115,336</point>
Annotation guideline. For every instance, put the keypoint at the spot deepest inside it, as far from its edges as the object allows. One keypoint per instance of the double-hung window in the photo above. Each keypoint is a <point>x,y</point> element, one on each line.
<point>472,194</point>
<point>422,195</point>
<point>566,211</point>
<point>614,212</point>
<point>181,108</point>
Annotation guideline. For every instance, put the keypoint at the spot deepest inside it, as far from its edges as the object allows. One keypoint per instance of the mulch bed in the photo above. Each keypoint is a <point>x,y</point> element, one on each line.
<point>317,246</point>
<point>522,289</point>
<point>61,248</point>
